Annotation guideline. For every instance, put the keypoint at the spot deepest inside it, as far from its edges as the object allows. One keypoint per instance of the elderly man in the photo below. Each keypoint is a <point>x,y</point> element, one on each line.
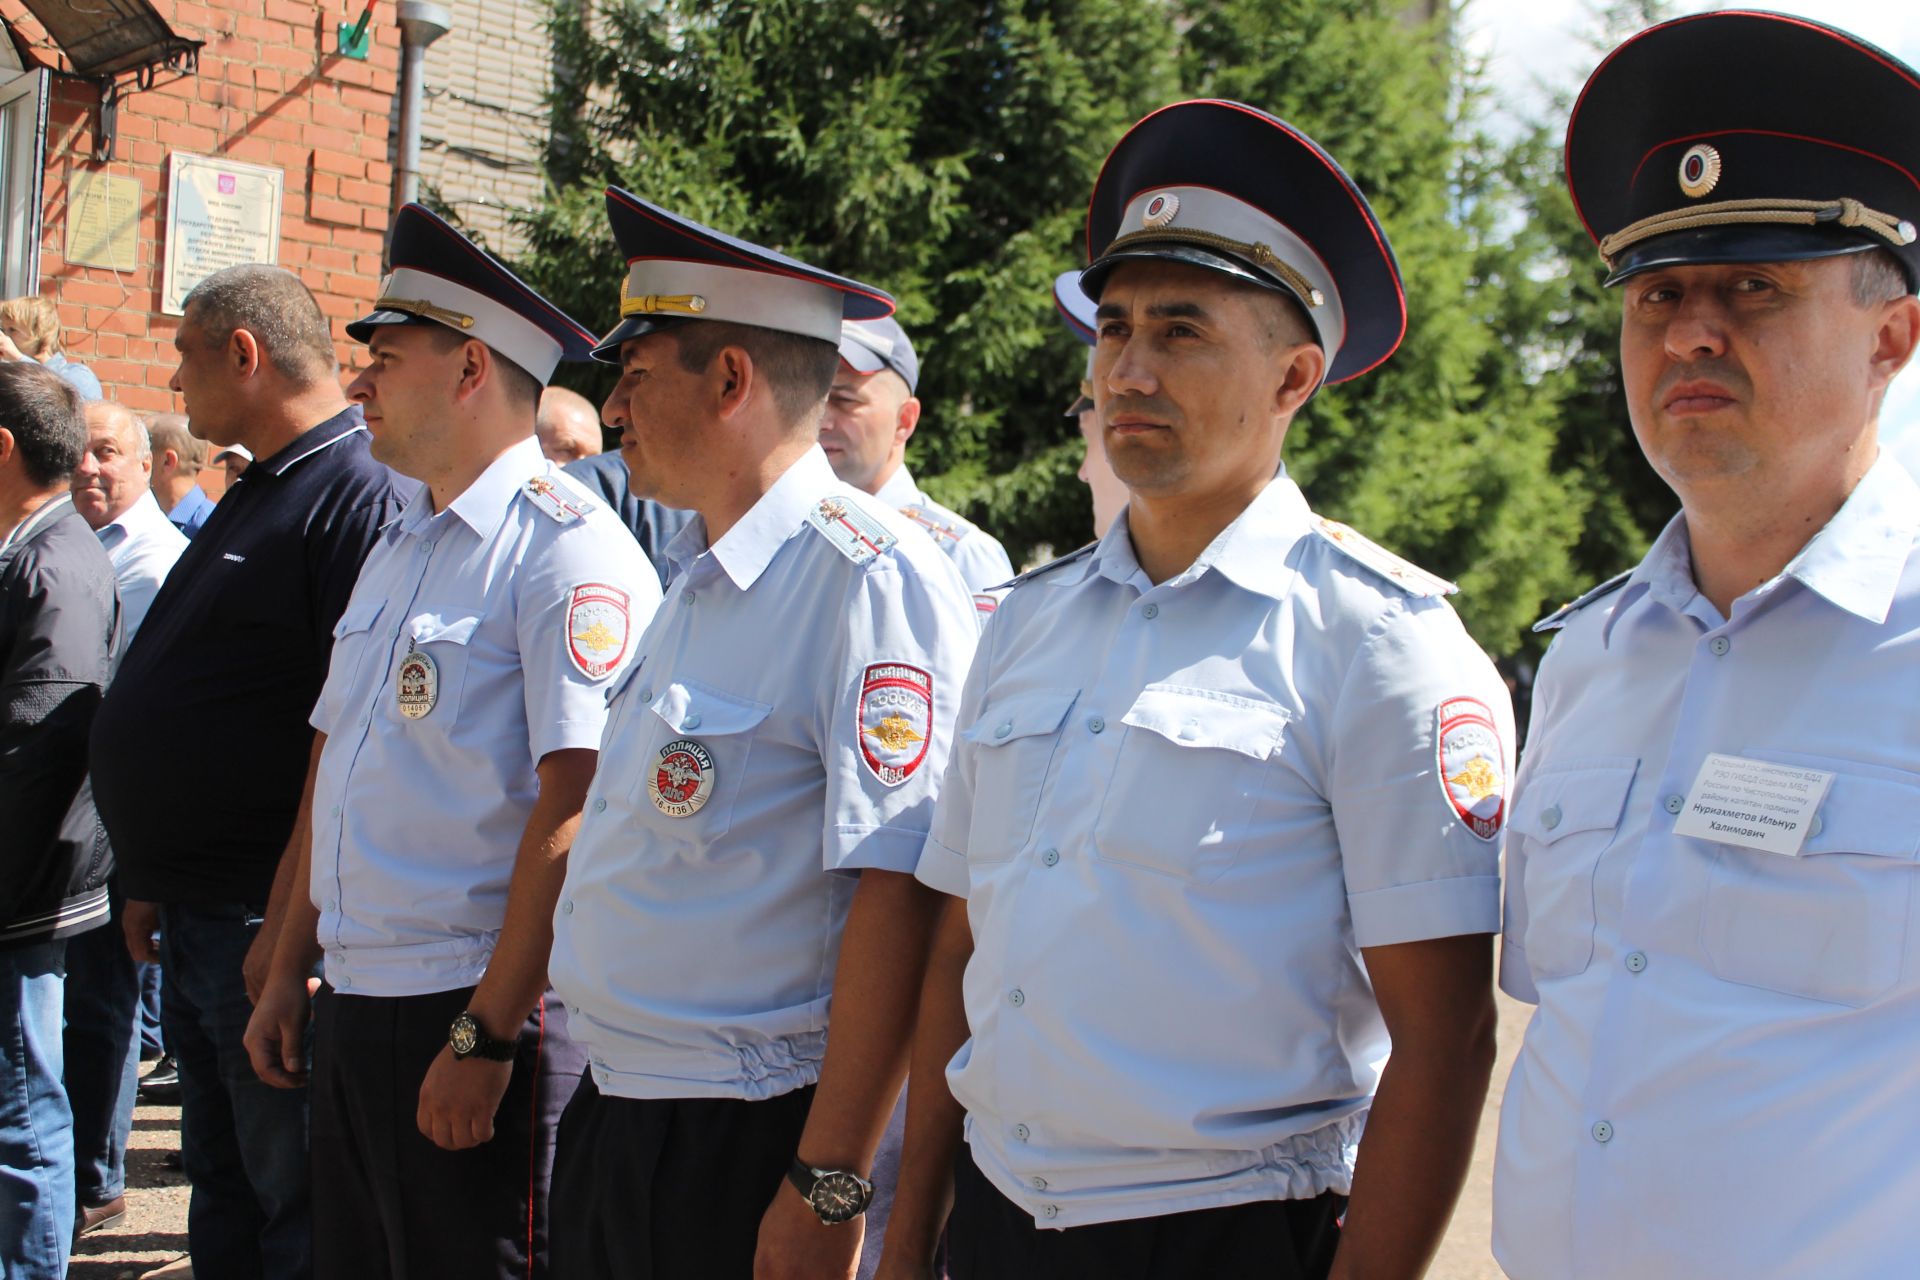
<point>567,426</point>
<point>872,411</point>
<point>237,644</point>
<point>112,494</point>
<point>605,475</point>
<point>57,624</point>
<point>1713,894</point>
<point>461,721</point>
<point>765,780</point>
<point>179,456</point>
<point>1223,818</point>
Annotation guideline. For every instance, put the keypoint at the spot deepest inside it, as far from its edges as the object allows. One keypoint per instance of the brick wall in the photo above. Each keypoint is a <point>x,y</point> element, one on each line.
<point>270,90</point>
<point>483,131</point>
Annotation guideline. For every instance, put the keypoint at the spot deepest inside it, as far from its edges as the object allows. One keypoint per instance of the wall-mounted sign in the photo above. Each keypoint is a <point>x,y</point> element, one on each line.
<point>103,221</point>
<point>219,214</point>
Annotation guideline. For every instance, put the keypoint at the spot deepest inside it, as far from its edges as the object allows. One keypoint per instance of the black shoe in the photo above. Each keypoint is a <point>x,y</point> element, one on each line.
<point>162,1084</point>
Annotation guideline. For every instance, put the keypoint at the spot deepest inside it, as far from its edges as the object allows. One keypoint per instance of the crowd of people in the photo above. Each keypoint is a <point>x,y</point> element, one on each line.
<point>711,860</point>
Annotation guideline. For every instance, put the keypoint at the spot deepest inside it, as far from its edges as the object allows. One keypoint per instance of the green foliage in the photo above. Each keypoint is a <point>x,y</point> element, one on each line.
<point>944,149</point>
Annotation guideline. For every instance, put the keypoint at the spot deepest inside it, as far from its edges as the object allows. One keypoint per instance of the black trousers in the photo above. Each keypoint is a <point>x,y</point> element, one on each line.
<point>390,1205</point>
<point>668,1188</point>
<point>991,1238</point>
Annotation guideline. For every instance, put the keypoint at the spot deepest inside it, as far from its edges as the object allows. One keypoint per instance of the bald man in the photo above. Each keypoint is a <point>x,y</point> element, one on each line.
<point>179,456</point>
<point>568,426</point>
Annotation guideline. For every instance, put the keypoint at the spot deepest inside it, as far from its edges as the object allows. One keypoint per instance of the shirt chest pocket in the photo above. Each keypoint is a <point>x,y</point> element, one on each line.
<point>701,746</point>
<point>1190,768</point>
<point>354,644</point>
<point>1012,744</point>
<point>431,673</point>
<point>1830,924</point>
<point>1565,817</point>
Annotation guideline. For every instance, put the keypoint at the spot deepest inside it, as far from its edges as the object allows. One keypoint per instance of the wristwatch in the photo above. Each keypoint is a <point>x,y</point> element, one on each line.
<point>470,1040</point>
<point>834,1194</point>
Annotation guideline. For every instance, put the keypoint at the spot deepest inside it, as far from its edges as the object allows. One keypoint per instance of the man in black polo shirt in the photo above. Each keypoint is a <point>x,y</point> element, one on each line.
<point>236,644</point>
<point>57,627</point>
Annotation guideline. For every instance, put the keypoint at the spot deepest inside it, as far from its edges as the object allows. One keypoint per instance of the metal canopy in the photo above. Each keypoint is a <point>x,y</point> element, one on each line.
<point>107,38</point>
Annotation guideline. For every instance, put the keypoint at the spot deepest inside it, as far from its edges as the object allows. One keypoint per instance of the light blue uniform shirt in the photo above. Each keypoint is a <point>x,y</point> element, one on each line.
<point>143,546</point>
<point>1721,1076</point>
<point>806,702</point>
<point>416,822</point>
<point>978,555</point>
<point>1177,813</point>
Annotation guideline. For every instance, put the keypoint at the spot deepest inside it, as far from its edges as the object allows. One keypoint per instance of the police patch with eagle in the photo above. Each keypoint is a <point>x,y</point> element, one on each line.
<point>895,720</point>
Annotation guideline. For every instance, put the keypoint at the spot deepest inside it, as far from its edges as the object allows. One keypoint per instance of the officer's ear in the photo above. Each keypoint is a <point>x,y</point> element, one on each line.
<point>6,447</point>
<point>1301,366</point>
<point>476,369</point>
<point>732,376</point>
<point>909,418</point>
<point>243,354</point>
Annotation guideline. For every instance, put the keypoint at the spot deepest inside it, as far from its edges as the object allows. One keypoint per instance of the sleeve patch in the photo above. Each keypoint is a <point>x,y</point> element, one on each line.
<point>895,720</point>
<point>599,626</point>
<point>1472,766</point>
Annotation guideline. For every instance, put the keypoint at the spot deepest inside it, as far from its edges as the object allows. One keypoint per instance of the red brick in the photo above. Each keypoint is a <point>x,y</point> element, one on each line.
<point>288,156</point>
<point>367,193</point>
<point>326,160</point>
<point>331,258</point>
<point>87,293</point>
<point>369,101</point>
<point>379,171</point>
<point>192,137</point>
<point>297,61</point>
<point>347,71</point>
<point>332,210</point>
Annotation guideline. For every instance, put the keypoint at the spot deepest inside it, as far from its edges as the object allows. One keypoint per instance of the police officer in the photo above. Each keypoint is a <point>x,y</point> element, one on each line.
<point>1103,487</point>
<point>460,720</point>
<point>1224,808</point>
<point>872,412</point>
<point>742,883</point>
<point>1712,882</point>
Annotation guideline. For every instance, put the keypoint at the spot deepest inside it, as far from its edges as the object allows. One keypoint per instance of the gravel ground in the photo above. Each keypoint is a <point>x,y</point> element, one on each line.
<point>155,1231</point>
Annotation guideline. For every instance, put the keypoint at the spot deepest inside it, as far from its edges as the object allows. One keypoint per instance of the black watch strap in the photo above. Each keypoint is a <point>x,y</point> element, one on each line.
<point>846,1195</point>
<point>469,1039</point>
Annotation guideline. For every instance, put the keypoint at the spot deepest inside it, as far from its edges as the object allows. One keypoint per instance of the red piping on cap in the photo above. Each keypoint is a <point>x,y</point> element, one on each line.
<point>1771,133</point>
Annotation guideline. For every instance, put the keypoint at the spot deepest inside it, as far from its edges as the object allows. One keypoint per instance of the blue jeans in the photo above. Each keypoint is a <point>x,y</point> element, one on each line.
<point>36,1129</point>
<point>243,1142</point>
<point>152,1044</point>
<point>103,1065</point>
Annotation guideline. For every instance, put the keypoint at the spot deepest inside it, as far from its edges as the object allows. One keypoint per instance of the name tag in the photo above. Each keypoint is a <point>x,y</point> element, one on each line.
<point>1753,804</point>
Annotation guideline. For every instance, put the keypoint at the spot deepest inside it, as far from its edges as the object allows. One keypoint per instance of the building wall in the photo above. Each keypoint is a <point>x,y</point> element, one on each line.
<point>270,90</point>
<point>483,129</point>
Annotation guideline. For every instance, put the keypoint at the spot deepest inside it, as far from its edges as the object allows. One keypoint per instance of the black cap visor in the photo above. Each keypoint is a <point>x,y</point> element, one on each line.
<point>1711,246</point>
<point>1094,278</point>
<point>607,351</point>
<point>361,330</point>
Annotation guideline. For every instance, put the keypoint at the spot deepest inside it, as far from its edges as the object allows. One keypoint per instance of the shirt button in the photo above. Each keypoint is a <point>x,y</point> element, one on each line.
<point>1602,1131</point>
<point>1021,1132</point>
<point>332,905</point>
<point>1096,725</point>
<point>1676,803</point>
<point>1720,645</point>
<point>1039,1184</point>
<point>646,695</point>
<point>1814,827</point>
<point>393,632</point>
<point>692,721</point>
<point>600,805</point>
<point>1151,611</point>
<point>1636,962</point>
<point>1002,729</point>
<point>1551,818</point>
<point>686,597</point>
<point>567,906</point>
<point>1018,997</point>
<point>335,811</point>
<point>1051,857</point>
<point>345,983</point>
<point>1050,1211</point>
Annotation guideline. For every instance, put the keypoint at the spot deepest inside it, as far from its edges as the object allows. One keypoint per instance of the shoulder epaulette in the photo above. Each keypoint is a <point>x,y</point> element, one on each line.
<point>936,527</point>
<point>1406,575</point>
<point>1558,618</point>
<point>853,533</point>
<point>563,505</point>
<point>1048,567</point>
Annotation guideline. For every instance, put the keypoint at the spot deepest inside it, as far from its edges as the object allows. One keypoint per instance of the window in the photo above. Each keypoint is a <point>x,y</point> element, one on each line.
<point>23,140</point>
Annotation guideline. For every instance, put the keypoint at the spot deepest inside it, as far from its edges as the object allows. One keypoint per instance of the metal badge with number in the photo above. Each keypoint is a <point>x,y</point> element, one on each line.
<point>418,685</point>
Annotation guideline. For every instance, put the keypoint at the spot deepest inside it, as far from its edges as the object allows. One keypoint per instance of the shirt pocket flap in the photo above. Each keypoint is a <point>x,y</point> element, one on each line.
<point>358,617</point>
<point>1582,795</point>
<point>1202,718</point>
<point>1021,715</point>
<point>1875,813</point>
<point>690,707</point>
<point>444,628</point>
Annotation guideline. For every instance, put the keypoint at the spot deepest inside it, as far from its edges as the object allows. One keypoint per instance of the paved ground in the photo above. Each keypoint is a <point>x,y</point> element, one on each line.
<point>155,1231</point>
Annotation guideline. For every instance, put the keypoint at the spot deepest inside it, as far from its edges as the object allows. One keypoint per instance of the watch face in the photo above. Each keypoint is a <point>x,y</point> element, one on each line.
<point>464,1035</point>
<point>838,1197</point>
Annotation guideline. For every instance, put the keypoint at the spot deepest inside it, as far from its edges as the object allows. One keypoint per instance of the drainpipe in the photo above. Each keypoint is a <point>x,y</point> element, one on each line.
<point>420,25</point>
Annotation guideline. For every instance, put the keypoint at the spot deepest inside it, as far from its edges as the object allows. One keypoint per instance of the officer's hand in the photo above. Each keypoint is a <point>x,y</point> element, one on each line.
<point>458,1099</point>
<point>796,1245</point>
<point>140,921</point>
<point>277,1032</point>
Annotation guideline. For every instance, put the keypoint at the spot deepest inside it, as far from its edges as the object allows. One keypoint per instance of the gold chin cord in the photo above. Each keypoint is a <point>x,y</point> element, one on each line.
<point>426,310</point>
<point>1258,254</point>
<point>650,304</point>
<point>1844,212</point>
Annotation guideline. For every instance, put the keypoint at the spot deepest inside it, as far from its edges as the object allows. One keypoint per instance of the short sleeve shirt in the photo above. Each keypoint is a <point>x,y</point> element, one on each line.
<point>784,727</point>
<point>978,555</point>
<point>1178,812</point>
<point>478,640</point>
<point>1719,1079</point>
